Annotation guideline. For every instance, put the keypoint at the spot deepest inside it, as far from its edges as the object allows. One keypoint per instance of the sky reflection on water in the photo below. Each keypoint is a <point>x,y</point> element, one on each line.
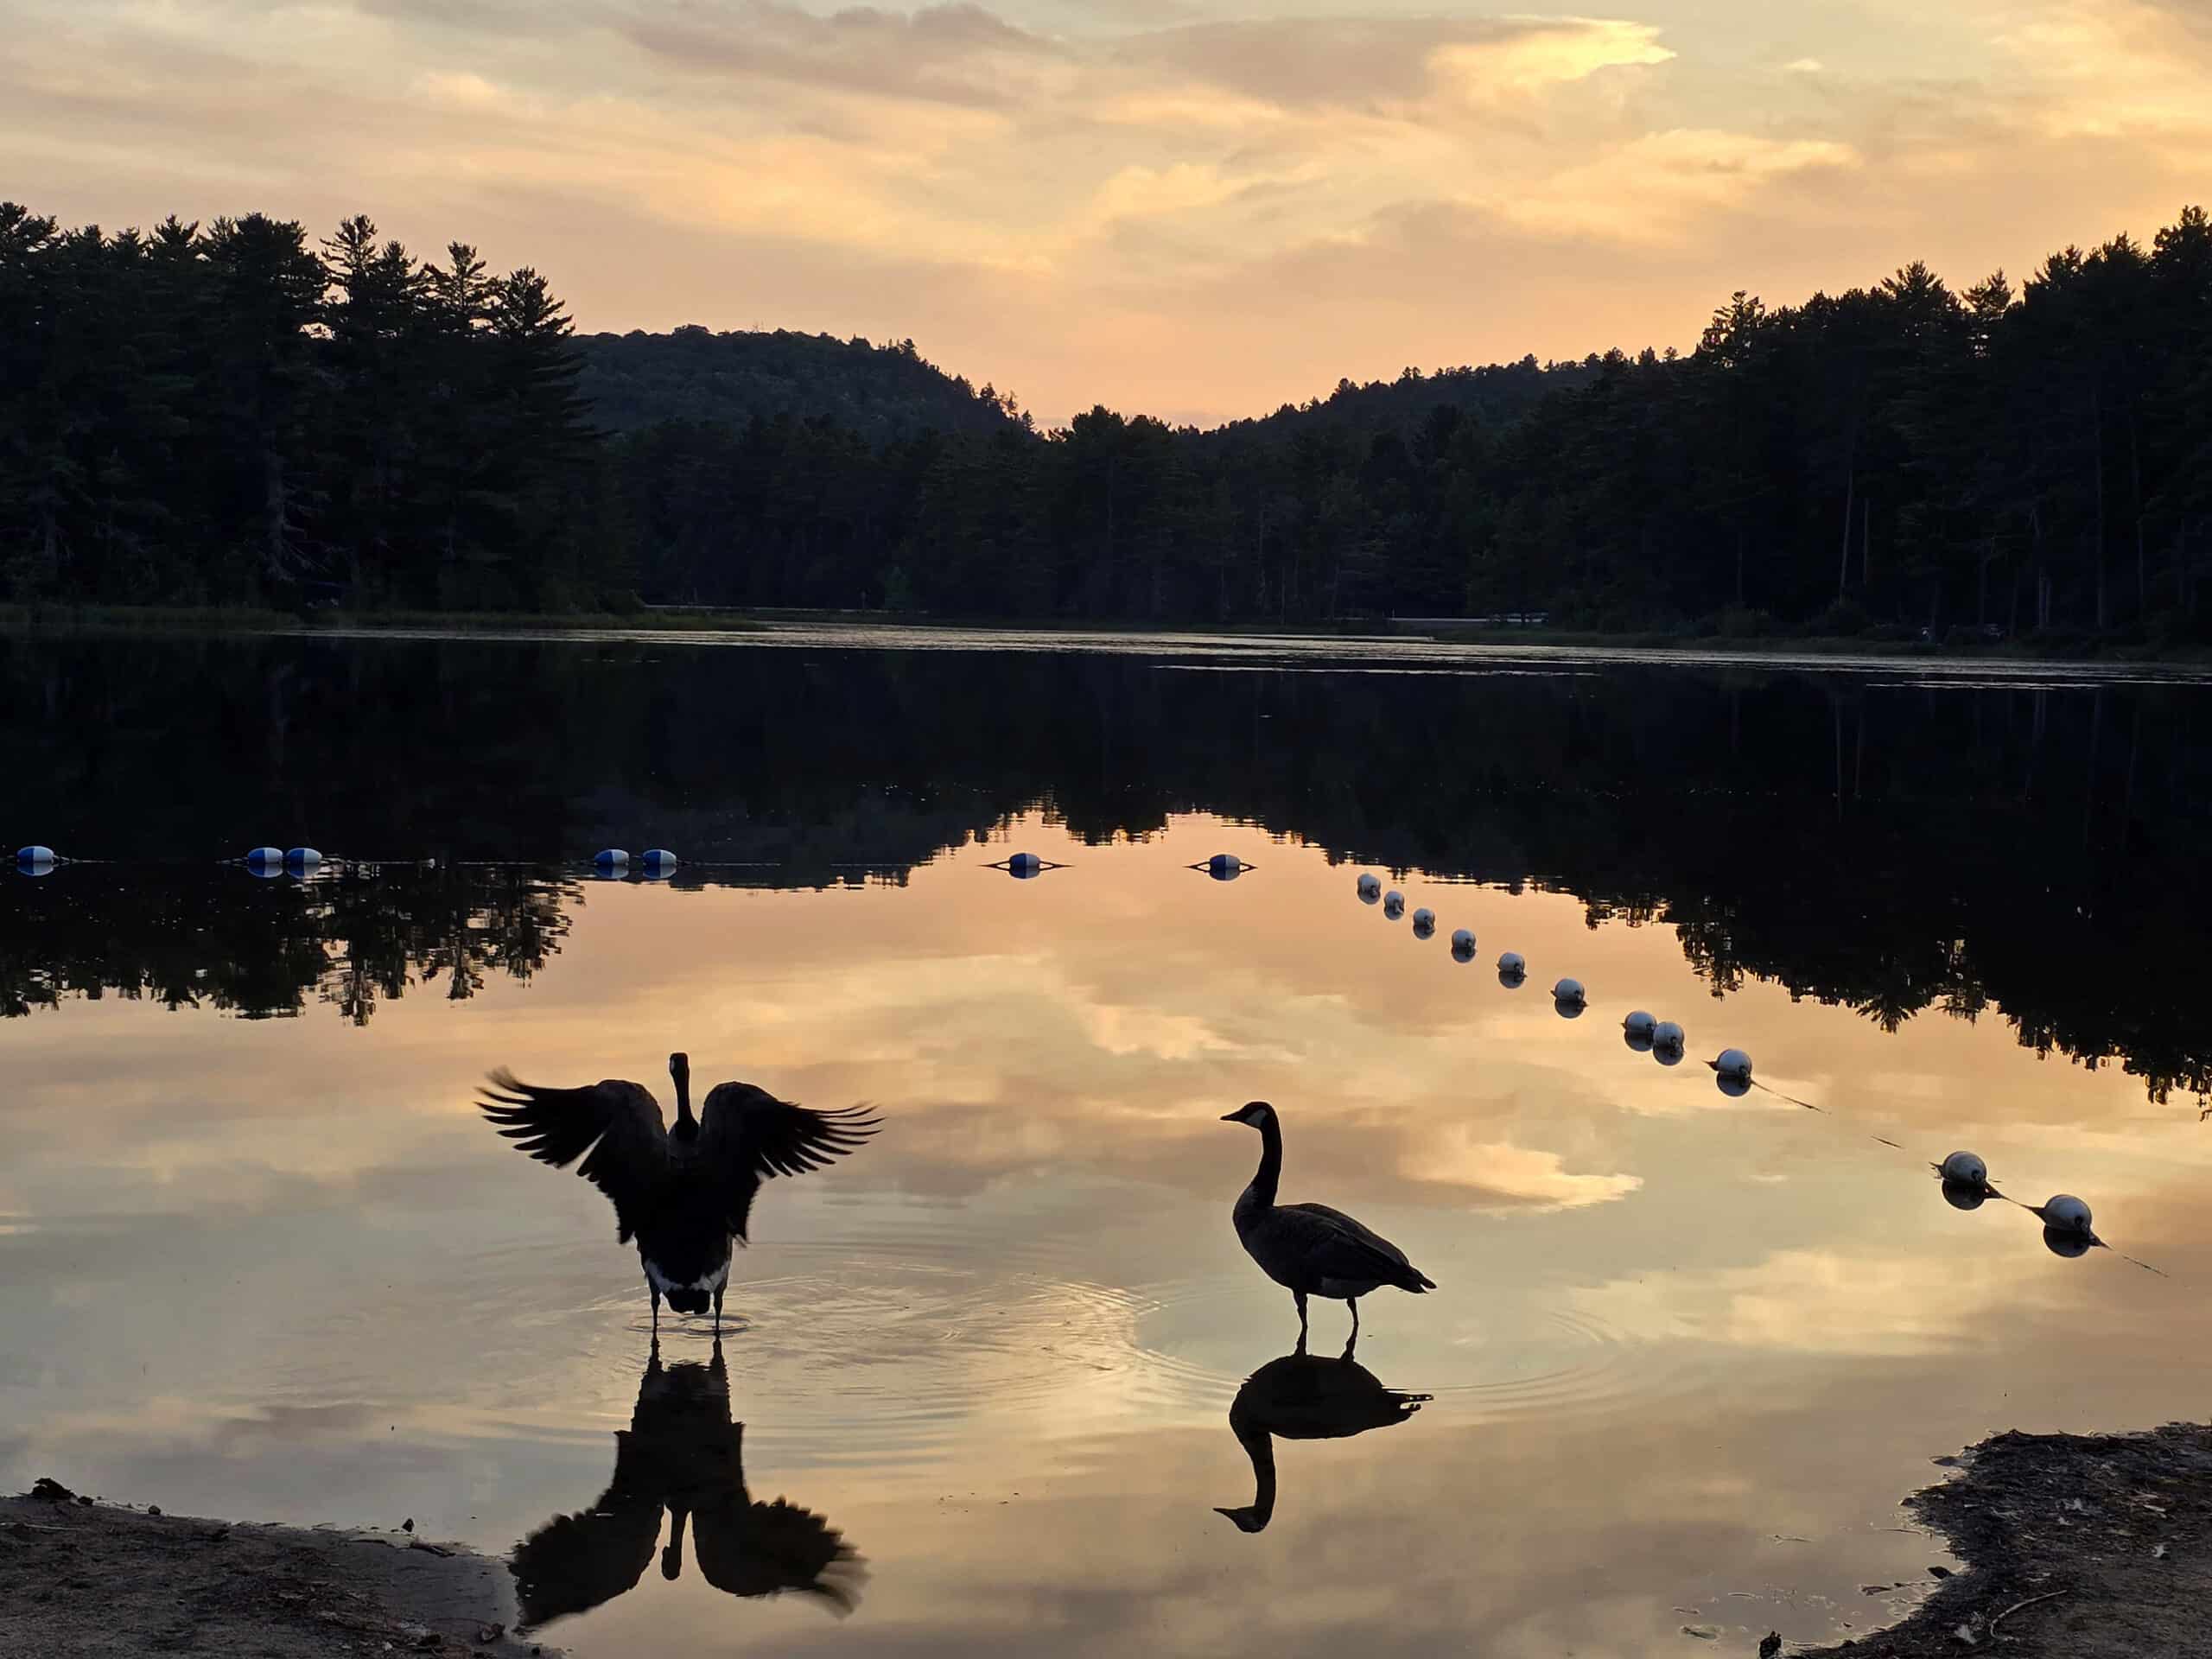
<point>1685,1349</point>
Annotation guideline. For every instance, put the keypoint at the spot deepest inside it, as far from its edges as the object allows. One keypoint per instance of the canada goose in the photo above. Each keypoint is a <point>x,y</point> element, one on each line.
<point>1309,1248</point>
<point>1300,1397</point>
<point>682,1453</point>
<point>683,1194</point>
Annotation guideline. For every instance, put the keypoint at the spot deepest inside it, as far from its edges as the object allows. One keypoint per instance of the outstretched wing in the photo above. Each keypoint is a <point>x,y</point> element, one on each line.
<point>763,1549</point>
<point>618,1123</point>
<point>575,1562</point>
<point>747,1135</point>
<point>1340,1248</point>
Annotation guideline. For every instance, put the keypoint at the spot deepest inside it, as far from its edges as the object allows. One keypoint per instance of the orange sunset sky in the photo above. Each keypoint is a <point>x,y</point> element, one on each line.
<point>1195,208</point>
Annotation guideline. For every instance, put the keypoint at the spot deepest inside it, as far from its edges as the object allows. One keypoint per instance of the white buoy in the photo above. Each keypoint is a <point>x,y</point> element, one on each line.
<point>1424,921</point>
<point>2065,1213</point>
<point>1667,1041</point>
<point>1733,1064</point>
<point>1462,943</point>
<point>1394,904</point>
<point>1022,866</point>
<point>1965,1169</point>
<point>1569,990</point>
<point>1225,867</point>
<point>611,858</point>
<point>1640,1024</point>
<point>1370,887</point>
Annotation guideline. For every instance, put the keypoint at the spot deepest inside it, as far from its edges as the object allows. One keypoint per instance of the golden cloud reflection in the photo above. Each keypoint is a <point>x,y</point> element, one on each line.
<point>279,1268</point>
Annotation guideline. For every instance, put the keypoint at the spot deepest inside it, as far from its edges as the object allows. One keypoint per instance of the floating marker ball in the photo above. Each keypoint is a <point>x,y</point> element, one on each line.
<point>1424,921</point>
<point>1394,904</point>
<point>1734,1087</point>
<point>1639,1042</point>
<point>1225,867</point>
<point>1966,1169</point>
<point>1964,1195</point>
<point>657,860</point>
<point>1567,990</point>
<point>300,860</point>
<point>34,855</point>
<point>1462,943</point>
<point>1370,888</point>
<point>1667,1041</point>
<point>1022,866</point>
<point>2067,1214</point>
<point>265,861</point>
<point>1512,962</point>
<point>1734,1063</point>
<point>2061,1240</point>
<point>611,858</point>
<point>1641,1024</point>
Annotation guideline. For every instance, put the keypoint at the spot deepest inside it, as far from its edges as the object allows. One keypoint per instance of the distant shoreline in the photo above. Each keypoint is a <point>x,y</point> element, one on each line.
<point>222,619</point>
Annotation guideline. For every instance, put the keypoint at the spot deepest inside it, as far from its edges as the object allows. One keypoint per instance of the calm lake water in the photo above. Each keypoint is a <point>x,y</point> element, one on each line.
<point>259,1256</point>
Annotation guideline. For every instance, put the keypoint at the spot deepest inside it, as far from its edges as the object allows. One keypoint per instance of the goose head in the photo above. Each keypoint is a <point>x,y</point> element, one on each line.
<point>1257,1114</point>
<point>1248,1519</point>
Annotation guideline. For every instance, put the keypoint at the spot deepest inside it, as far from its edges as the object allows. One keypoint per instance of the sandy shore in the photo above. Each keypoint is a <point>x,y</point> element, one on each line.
<point>80,1580</point>
<point>2092,1547</point>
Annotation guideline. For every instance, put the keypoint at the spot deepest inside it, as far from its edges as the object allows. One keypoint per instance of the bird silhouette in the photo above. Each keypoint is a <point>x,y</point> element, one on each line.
<point>685,1194</point>
<point>1309,1248</point>
<point>1303,1397</point>
<point>682,1453</point>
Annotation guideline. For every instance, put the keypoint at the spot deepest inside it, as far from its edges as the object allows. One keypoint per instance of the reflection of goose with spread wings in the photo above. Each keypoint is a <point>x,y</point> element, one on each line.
<point>1302,1397</point>
<point>682,1453</point>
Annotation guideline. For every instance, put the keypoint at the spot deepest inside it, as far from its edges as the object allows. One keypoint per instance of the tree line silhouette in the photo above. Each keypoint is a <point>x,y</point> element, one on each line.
<point>227,413</point>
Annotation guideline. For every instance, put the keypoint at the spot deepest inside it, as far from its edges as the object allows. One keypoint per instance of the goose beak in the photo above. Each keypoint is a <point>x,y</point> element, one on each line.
<point>1230,1117</point>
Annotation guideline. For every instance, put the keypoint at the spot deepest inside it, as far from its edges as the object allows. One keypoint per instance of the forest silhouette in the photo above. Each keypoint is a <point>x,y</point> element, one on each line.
<point>232,414</point>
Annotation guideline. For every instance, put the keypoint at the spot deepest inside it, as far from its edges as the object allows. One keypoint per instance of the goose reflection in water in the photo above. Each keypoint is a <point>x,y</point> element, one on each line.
<point>1304,1397</point>
<point>682,1453</point>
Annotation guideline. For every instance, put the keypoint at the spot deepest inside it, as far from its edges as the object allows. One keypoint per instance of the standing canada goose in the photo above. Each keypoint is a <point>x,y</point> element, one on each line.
<point>1300,1397</point>
<point>1309,1248</point>
<point>681,1453</point>
<point>683,1194</point>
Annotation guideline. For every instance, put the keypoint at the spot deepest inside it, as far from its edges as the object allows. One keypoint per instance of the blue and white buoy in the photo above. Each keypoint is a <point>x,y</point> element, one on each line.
<point>611,861</point>
<point>659,862</point>
<point>266,862</point>
<point>1463,944</point>
<point>302,861</point>
<point>1394,904</point>
<point>1226,866</point>
<point>1022,866</point>
<point>34,860</point>
<point>1370,887</point>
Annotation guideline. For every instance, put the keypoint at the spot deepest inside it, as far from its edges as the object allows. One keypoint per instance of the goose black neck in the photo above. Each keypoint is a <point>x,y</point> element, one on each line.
<point>1270,1173</point>
<point>1260,1447</point>
<point>679,1067</point>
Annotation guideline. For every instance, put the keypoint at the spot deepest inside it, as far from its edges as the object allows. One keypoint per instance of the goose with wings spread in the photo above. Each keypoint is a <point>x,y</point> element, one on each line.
<point>683,1194</point>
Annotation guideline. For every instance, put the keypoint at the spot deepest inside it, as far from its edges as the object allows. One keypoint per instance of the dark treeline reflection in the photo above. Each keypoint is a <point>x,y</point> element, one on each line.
<point>1892,846</point>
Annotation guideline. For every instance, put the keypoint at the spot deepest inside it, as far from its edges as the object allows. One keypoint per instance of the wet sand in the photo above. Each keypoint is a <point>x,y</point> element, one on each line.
<point>80,1580</point>
<point>2088,1546</point>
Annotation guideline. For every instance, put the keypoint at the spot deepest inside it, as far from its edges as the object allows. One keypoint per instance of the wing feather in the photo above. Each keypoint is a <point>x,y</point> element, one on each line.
<point>750,1136</point>
<point>614,1127</point>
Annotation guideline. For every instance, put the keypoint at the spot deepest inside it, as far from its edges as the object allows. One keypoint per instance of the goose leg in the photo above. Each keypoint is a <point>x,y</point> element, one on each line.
<point>1300,1296</point>
<point>1354,1300</point>
<point>656,1294</point>
<point>718,1313</point>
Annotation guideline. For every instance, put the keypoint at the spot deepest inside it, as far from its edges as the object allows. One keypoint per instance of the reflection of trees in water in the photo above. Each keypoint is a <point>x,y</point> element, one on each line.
<point>1887,847</point>
<point>199,937</point>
